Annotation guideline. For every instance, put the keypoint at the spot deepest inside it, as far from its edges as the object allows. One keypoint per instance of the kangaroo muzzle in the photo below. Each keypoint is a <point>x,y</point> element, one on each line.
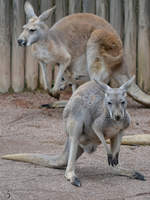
<point>22,43</point>
<point>117,117</point>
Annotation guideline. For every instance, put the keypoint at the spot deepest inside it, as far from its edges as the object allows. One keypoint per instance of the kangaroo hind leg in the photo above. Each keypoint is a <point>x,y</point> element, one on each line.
<point>74,129</point>
<point>115,147</point>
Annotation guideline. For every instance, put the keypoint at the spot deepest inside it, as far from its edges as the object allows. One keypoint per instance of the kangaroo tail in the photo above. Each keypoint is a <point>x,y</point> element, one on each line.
<point>56,161</point>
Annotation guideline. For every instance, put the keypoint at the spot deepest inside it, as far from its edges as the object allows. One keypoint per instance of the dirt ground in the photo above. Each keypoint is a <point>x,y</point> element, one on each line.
<point>24,127</point>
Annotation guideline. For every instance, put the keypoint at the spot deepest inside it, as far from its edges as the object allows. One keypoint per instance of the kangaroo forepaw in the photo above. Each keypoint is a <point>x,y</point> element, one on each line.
<point>113,161</point>
<point>110,158</point>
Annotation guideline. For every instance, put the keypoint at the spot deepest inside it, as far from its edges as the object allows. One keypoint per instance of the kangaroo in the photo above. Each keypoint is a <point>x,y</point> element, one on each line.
<point>94,113</point>
<point>85,46</point>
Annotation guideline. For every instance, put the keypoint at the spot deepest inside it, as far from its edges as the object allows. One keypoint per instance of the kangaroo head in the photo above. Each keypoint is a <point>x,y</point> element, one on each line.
<point>115,99</point>
<point>36,28</point>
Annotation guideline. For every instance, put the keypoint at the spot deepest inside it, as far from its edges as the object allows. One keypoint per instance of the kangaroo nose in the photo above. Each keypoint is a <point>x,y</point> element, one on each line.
<point>21,42</point>
<point>117,117</point>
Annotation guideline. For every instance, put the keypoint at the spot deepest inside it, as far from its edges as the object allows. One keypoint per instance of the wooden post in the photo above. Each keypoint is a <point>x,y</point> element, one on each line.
<point>102,8</point>
<point>17,52</point>
<point>61,8</point>
<point>45,5</point>
<point>144,45</point>
<point>4,45</point>
<point>31,65</point>
<point>74,6</point>
<point>89,6</point>
<point>116,16</point>
<point>130,34</point>
<point>61,11</point>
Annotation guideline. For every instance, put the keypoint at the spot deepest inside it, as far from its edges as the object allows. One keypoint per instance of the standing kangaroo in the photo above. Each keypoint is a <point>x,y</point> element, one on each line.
<point>94,113</point>
<point>85,46</point>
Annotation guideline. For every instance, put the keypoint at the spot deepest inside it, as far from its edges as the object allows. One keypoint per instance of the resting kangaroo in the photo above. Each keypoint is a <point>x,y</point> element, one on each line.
<point>94,113</point>
<point>85,46</point>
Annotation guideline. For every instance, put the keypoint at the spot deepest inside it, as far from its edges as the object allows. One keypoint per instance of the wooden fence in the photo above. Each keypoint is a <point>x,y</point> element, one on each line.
<point>131,18</point>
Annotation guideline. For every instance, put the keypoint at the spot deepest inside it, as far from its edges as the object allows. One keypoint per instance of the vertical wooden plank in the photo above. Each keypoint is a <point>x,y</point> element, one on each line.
<point>45,5</point>
<point>61,8</point>
<point>18,58</point>
<point>61,11</point>
<point>116,16</point>
<point>130,31</point>
<point>89,6</point>
<point>144,45</point>
<point>4,45</point>
<point>31,70</point>
<point>31,64</point>
<point>102,8</point>
<point>74,6</point>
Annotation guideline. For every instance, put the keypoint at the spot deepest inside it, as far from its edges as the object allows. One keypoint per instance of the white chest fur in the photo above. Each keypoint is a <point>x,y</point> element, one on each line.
<point>113,130</point>
<point>42,53</point>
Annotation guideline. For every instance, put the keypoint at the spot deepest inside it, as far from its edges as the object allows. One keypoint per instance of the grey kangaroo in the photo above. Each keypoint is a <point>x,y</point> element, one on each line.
<point>94,113</point>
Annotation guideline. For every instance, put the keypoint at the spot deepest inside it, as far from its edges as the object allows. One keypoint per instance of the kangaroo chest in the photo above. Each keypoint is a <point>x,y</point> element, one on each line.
<point>41,53</point>
<point>112,129</point>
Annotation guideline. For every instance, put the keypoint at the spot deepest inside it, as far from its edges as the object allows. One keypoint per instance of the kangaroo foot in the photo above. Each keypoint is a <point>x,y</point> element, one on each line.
<point>54,94</point>
<point>138,176</point>
<point>56,104</point>
<point>128,172</point>
<point>75,181</point>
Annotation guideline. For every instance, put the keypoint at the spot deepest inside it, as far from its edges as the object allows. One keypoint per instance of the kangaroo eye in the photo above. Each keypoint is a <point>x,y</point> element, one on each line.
<point>109,103</point>
<point>32,30</point>
<point>123,102</point>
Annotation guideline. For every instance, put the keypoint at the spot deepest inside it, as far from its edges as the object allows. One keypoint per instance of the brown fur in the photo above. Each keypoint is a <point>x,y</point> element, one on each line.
<point>84,46</point>
<point>80,27</point>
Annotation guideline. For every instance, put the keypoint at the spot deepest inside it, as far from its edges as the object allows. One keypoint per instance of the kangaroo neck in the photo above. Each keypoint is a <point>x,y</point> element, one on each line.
<point>41,50</point>
<point>44,41</point>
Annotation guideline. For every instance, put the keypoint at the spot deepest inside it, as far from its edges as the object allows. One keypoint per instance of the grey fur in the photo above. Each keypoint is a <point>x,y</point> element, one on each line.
<point>94,113</point>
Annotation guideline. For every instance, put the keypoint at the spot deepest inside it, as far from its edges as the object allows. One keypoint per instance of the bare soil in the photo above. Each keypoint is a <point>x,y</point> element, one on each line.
<point>25,127</point>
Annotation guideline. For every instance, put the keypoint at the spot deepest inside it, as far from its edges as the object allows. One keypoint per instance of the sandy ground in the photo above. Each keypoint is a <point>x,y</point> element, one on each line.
<point>24,127</point>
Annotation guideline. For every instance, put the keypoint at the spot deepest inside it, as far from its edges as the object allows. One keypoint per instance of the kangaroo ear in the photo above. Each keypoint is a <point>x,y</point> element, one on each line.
<point>126,85</point>
<point>29,10</point>
<point>44,16</point>
<point>102,86</point>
